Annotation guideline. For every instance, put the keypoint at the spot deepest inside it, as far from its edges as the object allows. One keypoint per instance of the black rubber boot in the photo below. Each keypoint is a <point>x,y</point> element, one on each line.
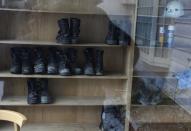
<point>33,92</point>
<point>64,64</point>
<point>99,63</point>
<point>15,61</point>
<point>52,67</point>
<point>112,36</point>
<point>45,97</point>
<point>72,53</point>
<point>75,30</point>
<point>39,61</point>
<point>124,36</point>
<point>27,62</point>
<point>89,65</point>
<point>64,32</point>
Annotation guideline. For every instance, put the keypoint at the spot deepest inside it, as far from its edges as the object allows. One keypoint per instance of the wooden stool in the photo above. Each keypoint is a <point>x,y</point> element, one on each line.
<point>15,117</point>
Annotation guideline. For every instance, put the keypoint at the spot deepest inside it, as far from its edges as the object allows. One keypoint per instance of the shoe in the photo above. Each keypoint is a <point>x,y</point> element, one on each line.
<point>72,53</point>
<point>39,61</point>
<point>75,30</point>
<point>45,97</point>
<point>52,67</point>
<point>27,62</point>
<point>99,62</point>
<point>15,61</point>
<point>64,64</point>
<point>33,92</point>
<point>112,36</point>
<point>64,32</point>
<point>89,65</point>
<point>124,37</point>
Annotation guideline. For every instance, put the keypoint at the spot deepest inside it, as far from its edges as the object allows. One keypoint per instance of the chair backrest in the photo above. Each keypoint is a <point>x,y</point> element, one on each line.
<point>15,117</point>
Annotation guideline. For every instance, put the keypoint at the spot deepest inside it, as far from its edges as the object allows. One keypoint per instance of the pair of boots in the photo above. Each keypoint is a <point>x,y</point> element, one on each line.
<point>116,35</point>
<point>93,66</point>
<point>67,64</point>
<point>38,92</point>
<point>21,61</point>
<point>69,31</point>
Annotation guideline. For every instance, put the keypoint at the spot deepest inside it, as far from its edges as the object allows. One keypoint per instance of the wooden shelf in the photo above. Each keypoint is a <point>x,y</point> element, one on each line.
<point>44,43</point>
<point>91,12</point>
<point>7,74</point>
<point>153,74</point>
<point>161,114</point>
<point>53,127</point>
<point>65,101</point>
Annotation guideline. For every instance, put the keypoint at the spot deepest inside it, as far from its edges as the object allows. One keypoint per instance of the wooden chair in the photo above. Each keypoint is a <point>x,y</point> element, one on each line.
<point>15,117</point>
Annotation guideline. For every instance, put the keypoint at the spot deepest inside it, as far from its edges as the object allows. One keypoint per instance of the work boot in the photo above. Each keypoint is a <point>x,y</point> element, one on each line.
<point>64,32</point>
<point>112,36</point>
<point>124,34</point>
<point>27,62</point>
<point>99,62</point>
<point>15,61</point>
<point>75,30</point>
<point>64,64</point>
<point>39,61</point>
<point>33,92</point>
<point>89,65</point>
<point>52,61</point>
<point>72,53</point>
<point>45,97</point>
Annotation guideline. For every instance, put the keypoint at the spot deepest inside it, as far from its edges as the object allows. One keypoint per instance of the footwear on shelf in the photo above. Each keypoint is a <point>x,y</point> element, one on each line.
<point>15,61</point>
<point>99,62</point>
<point>64,64</point>
<point>75,30</point>
<point>52,67</point>
<point>27,62</point>
<point>39,61</point>
<point>33,92</point>
<point>89,62</point>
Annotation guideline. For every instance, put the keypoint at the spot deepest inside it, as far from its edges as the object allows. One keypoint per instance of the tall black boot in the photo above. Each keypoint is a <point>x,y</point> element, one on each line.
<point>89,65</point>
<point>64,32</point>
<point>52,61</point>
<point>99,62</point>
<point>64,64</point>
<point>15,61</point>
<point>39,61</point>
<point>75,30</point>
<point>112,36</point>
<point>33,92</point>
<point>27,62</point>
<point>72,53</point>
<point>45,97</point>
<point>124,34</point>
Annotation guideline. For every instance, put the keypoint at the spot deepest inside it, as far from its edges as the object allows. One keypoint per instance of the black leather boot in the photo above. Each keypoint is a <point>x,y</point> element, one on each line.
<point>75,30</point>
<point>89,65</point>
<point>15,61</point>
<point>33,92</point>
<point>64,64</point>
<point>112,36</point>
<point>27,62</point>
<point>45,97</point>
<point>124,34</point>
<point>64,32</point>
<point>39,61</point>
<point>72,53</point>
<point>52,61</point>
<point>99,63</point>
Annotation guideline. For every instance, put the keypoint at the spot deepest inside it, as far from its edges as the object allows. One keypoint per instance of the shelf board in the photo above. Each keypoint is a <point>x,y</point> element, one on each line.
<point>153,74</point>
<point>65,101</point>
<point>94,12</point>
<point>7,74</point>
<point>44,43</point>
<point>161,114</point>
<point>53,127</point>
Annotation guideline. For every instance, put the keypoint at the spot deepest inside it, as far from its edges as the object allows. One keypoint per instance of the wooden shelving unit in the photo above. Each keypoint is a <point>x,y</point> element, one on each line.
<point>77,99</point>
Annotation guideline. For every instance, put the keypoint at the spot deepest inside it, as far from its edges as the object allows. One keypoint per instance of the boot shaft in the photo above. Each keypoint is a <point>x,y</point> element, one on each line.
<point>89,55</point>
<point>63,25</point>
<point>15,55</point>
<point>75,26</point>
